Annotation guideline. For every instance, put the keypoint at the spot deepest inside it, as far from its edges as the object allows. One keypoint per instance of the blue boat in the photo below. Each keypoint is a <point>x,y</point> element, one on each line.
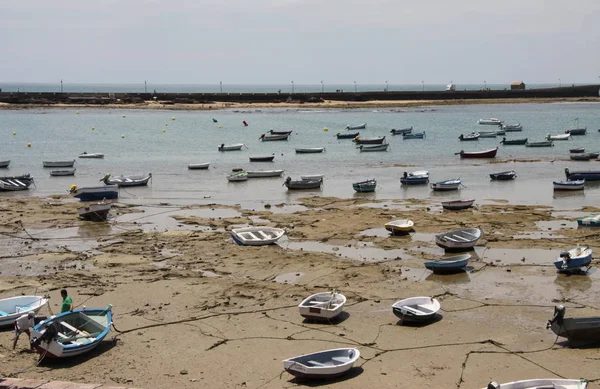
<point>402,131</point>
<point>95,193</point>
<point>449,265</point>
<point>420,177</point>
<point>574,259</point>
<point>588,175</point>
<point>592,221</point>
<point>365,186</point>
<point>416,135</point>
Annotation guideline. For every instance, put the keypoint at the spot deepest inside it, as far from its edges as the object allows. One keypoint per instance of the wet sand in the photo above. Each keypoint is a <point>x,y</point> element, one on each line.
<point>196,310</point>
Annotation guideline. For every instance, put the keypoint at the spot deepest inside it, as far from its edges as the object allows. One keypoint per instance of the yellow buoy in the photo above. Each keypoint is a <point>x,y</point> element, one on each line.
<point>28,144</point>
<point>172,117</point>
<point>93,128</point>
<point>122,136</point>
<point>77,112</point>
<point>164,130</point>
<point>14,133</point>
<point>166,124</point>
<point>123,116</point>
<point>325,129</point>
<point>220,126</point>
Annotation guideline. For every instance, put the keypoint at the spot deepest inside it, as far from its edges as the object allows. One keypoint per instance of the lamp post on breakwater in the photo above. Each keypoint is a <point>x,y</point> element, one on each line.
<point>559,83</point>
<point>484,85</point>
<point>145,87</point>
<point>292,86</point>
<point>423,83</point>
<point>61,87</point>
<point>322,87</point>
<point>221,84</point>
<point>354,86</point>
<point>387,88</point>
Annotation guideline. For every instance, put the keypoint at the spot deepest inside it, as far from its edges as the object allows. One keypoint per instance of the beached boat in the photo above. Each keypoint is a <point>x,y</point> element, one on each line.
<point>369,141</point>
<point>581,157</point>
<point>594,154</point>
<point>548,143</point>
<point>58,163</point>
<point>487,134</point>
<point>592,221</point>
<point>323,364</point>
<point>491,121</point>
<point>577,150</point>
<point>237,176</point>
<point>399,226</point>
<point>512,127</point>
<point>463,239</point>
<point>4,164</point>
<point>416,135</point>
<point>448,265</point>
<point>273,132</point>
<point>569,185</point>
<point>303,184</point>
<point>16,183</point>
<point>588,175</point>
<point>357,127</point>
<point>416,309</point>
<point>579,331</point>
<point>63,172</point>
<point>451,184</point>
<point>401,131</point>
<point>491,153</point>
<point>369,148</point>
<point>201,166</point>
<point>503,176</point>
<point>231,147</point>
<point>469,137</point>
<point>519,141</point>
<point>418,177</point>
<point>132,180</point>
<point>544,383</point>
<point>349,135</point>
<point>13,307</point>
<point>268,138</point>
<point>558,137</point>
<point>85,154</point>
<point>71,333</point>
<point>365,186</point>
<point>312,177</point>
<point>455,205</point>
<point>310,150</point>
<point>324,305</point>
<point>264,173</point>
<point>257,236</point>
<point>262,158</point>
<point>95,193</point>
<point>574,259</point>
<point>95,212</point>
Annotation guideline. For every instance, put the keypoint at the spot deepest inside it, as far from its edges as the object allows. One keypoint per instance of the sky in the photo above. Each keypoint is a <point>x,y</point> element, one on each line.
<point>305,41</point>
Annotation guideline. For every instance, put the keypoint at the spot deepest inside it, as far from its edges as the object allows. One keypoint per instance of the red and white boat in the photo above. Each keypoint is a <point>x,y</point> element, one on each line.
<point>458,204</point>
<point>491,153</point>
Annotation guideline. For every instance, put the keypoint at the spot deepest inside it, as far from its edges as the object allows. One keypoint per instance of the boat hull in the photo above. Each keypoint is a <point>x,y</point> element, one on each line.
<point>503,176</point>
<point>348,136</point>
<point>264,173</point>
<point>269,158</point>
<point>400,226</point>
<point>127,181</point>
<point>449,265</point>
<point>369,141</point>
<point>569,185</point>
<point>416,309</point>
<point>463,239</point>
<point>381,147</point>
<point>58,163</point>
<point>365,186</point>
<point>95,212</point>
<point>321,365</point>
<point>588,175</point>
<point>15,183</point>
<point>63,172</point>
<point>96,193</point>
<point>233,147</point>
<point>4,164</point>
<point>314,150</point>
<point>539,144</point>
<point>419,135</point>
<point>479,154</point>
<point>256,236</point>
<point>457,204</point>
<point>198,166</point>
<point>14,307</point>
<point>509,142</point>
<point>303,184</point>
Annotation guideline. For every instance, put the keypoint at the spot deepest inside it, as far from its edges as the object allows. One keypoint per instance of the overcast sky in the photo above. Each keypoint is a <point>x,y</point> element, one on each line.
<point>276,41</point>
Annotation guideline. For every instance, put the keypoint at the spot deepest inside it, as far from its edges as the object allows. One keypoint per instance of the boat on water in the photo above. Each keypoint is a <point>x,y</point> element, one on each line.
<point>63,172</point>
<point>491,121</point>
<point>95,212</point>
<point>310,150</point>
<point>548,143</point>
<point>577,150</point>
<point>491,153</point>
<point>85,154</point>
<point>303,184</point>
<point>58,163</point>
<point>273,132</point>
<point>448,265</point>
<point>312,177</point>
<point>469,137</point>
<point>569,184</point>
<point>4,164</point>
<point>230,147</point>
<point>592,221</point>
<point>503,176</point>
<point>463,239</point>
<point>365,186</point>
<point>349,135</point>
<point>357,127</point>
<point>264,173</point>
<point>262,158</point>
<point>369,148</point>
<point>401,131</point>
<point>576,130</point>
<point>257,236</point>
<point>456,205</point>
<point>123,181</point>
<point>544,383</point>
<point>15,183</point>
<point>95,193</point>
<point>415,135</point>
<point>588,175</point>
<point>198,166</point>
<point>403,226</point>
<point>369,141</point>
<point>237,176</point>
<point>268,138</point>
<point>14,307</point>
<point>512,127</point>
<point>71,333</point>
<point>322,306</point>
<point>519,141</point>
<point>579,331</point>
<point>416,309</point>
<point>419,177</point>
<point>577,258</point>
<point>323,364</point>
<point>445,185</point>
<point>501,131</point>
<point>582,157</point>
<point>558,137</point>
<point>488,134</point>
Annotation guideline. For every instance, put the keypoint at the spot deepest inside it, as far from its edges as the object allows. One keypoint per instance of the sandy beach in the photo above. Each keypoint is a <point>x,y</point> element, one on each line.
<point>196,310</point>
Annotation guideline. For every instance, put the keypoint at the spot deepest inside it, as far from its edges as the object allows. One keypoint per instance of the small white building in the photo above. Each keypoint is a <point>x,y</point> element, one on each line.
<point>451,87</point>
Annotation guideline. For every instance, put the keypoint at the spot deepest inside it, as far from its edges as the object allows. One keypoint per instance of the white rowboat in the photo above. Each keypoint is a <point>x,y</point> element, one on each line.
<point>545,383</point>
<point>324,305</point>
<point>323,364</point>
<point>13,307</point>
<point>193,166</point>
<point>257,236</point>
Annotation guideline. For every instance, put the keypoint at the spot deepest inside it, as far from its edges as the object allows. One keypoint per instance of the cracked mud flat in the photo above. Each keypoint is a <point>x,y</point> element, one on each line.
<point>198,311</point>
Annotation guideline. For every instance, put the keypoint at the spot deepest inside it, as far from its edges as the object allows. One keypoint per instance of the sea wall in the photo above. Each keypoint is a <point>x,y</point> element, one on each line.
<point>207,98</point>
<point>20,383</point>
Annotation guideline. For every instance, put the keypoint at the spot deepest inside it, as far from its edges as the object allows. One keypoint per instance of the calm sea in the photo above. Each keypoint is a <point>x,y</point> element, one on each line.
<point>142,141</point>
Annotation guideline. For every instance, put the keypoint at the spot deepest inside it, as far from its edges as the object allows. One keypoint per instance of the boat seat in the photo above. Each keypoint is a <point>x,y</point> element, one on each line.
<point>2,313</point>
<point>459,238</point>
<point>264,235</point>
<point>340,359</point>
<point>450,239</point>
<point>411,309</point>
<point>423,309</point>
<point>315,363</point>
<point>250,236</point>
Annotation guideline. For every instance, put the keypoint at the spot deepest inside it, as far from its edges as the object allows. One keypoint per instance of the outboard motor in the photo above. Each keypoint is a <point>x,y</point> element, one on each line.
<point>559,314</point>
<point>493,385</point>
<point>565,255</point>
<point>48,335</point>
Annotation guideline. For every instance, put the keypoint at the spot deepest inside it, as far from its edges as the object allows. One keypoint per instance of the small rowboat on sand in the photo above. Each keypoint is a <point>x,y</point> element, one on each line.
<point>324,305</point>
<point>455,205</point>
<point>323,364</point>
<point>14,307</point>
<point>256,236</point>
<point>400,226</point>
<point>463,239</point>
<point>416,309</point>
<point>448,265</point>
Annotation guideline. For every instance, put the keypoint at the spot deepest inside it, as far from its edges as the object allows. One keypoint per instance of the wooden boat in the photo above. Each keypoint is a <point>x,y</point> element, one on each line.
<point>63,172</point>
<point>323,364</point>
<point>487,134</point>
<point>312,177</point>
<point>512,127</point>
<point>545,383</point>
<point>577,150</point>
<point>503,176</point>
<point>231,147</point>
<point>194,166</point>
<point>416,135</point>
<point>574,259</point>
<point>399,226</point>
<point>257,236</point>
<point>350,135</point>
<point>592,221</point>
<point>558,137</point>
<point>4,164</point>
<point>58,163</point>
<point>13,307</point>
<point>417,309</point>
<point>85,154</point>
<point>237,176</point>
<point>588,175</point>
<point>448,265</point>
<point>540,144</point>
<point>268,138</point>
<point>122,181</point>
<point>273,132</point>
<point>262,158</point>
<point>310,150</point>
<point>491,121</point>
<point>381,147</point>
<point>402,131</point>
<point>365,186</point>
<point>579,331</point>
<point>324,305</point>
<point>71,333</point>
<point>520,141</point>
<point>418,177</point>
<point>369,141</point>
<point>576,131</point>
<point>357,127</point>
<point>303,184</point>
<point>95,193</point>
<point>491,153</point>
<point>16,183</point>
<point>95,212</point>
<point>463,239</point>
<point>469,137</point>
<point>445,185</point>
<point>456,205</point>
<point>264,173</point>
<point>569,185</point>
<point>582,157</point>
